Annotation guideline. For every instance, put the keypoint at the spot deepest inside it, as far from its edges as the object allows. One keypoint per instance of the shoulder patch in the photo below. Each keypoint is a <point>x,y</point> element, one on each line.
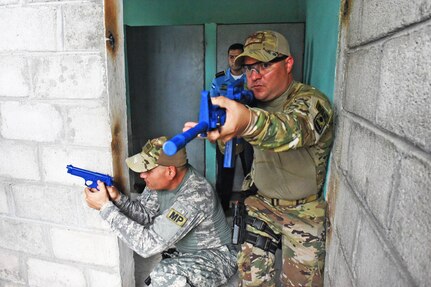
<point>176,217</point>
<point>219,74</point>
<point>321,119</point>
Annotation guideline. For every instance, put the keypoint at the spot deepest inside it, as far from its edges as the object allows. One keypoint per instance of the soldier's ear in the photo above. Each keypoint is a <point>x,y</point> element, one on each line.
<point>172,171</point>
<point>289,63</point>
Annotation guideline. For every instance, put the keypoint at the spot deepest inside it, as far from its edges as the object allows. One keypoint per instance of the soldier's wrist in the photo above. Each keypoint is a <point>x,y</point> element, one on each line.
<point>251,123</point>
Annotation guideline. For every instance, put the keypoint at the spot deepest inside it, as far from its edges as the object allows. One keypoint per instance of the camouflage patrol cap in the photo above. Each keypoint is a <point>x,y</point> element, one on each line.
<point>152,156</point>
<point>264,46</point>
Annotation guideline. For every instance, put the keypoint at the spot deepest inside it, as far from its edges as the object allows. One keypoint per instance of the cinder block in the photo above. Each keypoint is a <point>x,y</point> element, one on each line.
<point>98,134</point>
<point>331,196</point>
<point>4,207</point>
<point>44,1</point>
<point>341,275</point>
<point>359,143</point>
<point>346,220</point>
<point>77,76</point>
<point>104,279</point>
<point>411,224</point>
<point>340,150</point>
<point>22,236</point>
<point>14,76</point>
<point>55,159</point>
<point>30,121</point>
<point>7,2</point>
<point>373,168</point>
<point>10,267</point>
<point>83,27</point>
<point>89,217</point>
<point>85,247</point>
<point>44,273</point>
<point>128,266</point>
<point>12,284</point>
<point>405,103</point>
<point>353,22</point>
<point>37,33</point>
<point>47,203</point>
<point>374,263</point>
<point>332,245</point>
<point>379,18</point>
<point>362,82</point>
<point>19,161</point>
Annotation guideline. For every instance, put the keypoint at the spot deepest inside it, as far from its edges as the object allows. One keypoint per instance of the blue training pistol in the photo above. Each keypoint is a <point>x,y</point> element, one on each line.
<point>90,177</point>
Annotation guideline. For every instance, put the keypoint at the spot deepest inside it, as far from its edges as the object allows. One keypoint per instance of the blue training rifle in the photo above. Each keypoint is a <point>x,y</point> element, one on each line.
<point>210,118</point>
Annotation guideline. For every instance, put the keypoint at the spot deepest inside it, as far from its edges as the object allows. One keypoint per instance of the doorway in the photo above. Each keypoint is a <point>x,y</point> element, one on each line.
<point>165,79</point>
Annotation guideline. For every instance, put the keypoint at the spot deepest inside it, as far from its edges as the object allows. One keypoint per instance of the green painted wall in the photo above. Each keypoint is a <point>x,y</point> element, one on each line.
<point>186,12</point>
<point>321,41</point>
<point>321,45</point>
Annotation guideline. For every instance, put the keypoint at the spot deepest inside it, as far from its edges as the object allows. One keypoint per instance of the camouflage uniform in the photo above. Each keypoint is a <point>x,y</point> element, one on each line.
<point>190,219</point>
<point>291,136</point>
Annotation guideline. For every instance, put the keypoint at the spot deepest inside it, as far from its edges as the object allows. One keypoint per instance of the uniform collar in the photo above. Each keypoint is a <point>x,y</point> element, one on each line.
<point>229,76</point>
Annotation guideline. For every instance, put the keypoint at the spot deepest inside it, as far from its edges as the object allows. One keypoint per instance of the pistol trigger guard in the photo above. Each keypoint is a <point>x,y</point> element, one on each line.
<point>88,183</point>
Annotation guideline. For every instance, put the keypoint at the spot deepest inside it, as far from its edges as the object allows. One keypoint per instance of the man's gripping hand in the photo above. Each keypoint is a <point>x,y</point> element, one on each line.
<point>96,198</point>
<point>237,119</point>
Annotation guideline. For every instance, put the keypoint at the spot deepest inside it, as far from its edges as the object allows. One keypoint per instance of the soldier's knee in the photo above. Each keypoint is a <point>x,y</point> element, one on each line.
<point>160,278</point>
<point>255,266</point>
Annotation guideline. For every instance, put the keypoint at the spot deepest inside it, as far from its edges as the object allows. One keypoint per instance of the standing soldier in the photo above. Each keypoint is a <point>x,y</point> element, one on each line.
<point>291,132</point>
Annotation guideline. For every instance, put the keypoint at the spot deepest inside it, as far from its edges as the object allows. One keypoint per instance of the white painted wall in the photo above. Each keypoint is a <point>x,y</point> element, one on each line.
<point>61,95</point>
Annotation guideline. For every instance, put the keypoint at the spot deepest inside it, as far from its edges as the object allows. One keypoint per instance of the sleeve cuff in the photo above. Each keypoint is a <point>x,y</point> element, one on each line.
<point>104,210</point>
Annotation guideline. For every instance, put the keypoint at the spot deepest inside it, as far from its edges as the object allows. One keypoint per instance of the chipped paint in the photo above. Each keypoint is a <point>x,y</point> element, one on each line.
<point>111,27</point>
<point>331,200</point>
<point>116,147</point>
<point>346,7</point>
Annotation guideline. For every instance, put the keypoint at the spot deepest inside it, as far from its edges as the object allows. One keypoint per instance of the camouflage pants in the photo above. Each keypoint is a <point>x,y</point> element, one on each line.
<point>206,268</point>
<point>302,230</point>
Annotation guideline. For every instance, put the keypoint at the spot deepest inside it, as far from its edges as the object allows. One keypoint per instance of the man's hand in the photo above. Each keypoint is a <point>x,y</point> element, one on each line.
<point>113,192</point>
<point>237,119</point>
<point>96,198</point>
<point>189,125</point>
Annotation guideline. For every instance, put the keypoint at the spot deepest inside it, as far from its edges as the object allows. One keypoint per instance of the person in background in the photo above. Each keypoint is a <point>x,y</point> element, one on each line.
<point>291,131</point>
<point>178,208</point>
<point>226,176</point>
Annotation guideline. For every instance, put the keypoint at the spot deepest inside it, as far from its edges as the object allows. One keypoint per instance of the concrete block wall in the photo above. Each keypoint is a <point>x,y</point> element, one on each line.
<point>380,176</point>
<point>62,101</point>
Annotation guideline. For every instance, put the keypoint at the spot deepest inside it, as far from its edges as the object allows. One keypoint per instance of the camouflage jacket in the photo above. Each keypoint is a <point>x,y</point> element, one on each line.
<point>189,218</point>
<point>291,136</point>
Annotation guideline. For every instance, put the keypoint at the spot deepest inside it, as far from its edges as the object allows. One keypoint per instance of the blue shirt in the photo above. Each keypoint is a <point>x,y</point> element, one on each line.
<point>221,82</point>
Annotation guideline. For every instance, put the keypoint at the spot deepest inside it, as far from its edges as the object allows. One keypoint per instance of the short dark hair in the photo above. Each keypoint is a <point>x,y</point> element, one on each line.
<point>236,46</point>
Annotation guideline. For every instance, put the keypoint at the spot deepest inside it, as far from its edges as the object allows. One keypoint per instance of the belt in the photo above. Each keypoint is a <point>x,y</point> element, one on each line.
<point>262,242</point>
<point>292,203</point>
